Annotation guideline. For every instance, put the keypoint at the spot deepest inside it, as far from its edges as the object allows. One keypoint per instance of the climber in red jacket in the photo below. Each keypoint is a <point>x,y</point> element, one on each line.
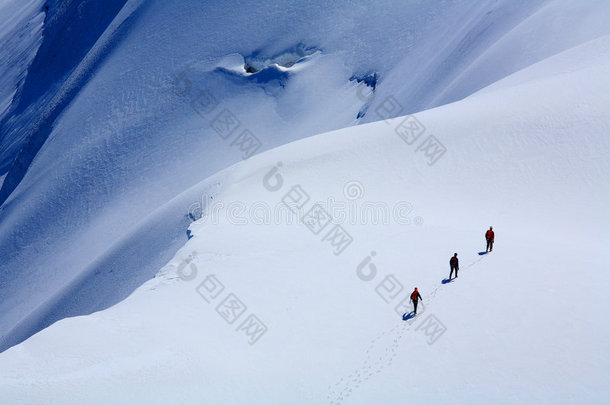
<point>489,236</point>
<point>415,297</point>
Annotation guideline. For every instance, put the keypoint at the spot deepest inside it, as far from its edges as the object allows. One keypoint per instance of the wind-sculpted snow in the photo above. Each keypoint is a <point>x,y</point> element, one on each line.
<point>257,62</point>
<point>160,95</point>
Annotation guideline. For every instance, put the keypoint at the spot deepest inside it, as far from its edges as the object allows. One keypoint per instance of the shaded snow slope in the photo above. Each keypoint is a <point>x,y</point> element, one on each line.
<point>524,324</point>
<point>128,123</point>
<point>20,36</point>
<point>71,28</point>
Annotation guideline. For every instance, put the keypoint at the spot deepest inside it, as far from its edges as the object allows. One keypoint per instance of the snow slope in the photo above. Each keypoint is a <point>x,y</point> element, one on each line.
<point>97,148</point>
<point>524,324</point>
<point>20,26</point>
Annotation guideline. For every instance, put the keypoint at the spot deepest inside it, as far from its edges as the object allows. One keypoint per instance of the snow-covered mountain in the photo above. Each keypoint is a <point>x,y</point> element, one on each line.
<point>163,113</point>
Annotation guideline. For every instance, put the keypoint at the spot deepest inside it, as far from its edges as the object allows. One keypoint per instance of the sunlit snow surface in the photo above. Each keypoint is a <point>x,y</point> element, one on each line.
<point>159,106</point>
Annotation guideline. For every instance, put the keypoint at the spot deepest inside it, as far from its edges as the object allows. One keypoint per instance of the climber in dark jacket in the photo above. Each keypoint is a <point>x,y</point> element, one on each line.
<point>454,264</point>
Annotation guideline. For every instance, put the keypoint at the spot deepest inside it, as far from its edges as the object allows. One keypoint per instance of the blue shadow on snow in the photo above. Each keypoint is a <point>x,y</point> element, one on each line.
<point>406,317</point>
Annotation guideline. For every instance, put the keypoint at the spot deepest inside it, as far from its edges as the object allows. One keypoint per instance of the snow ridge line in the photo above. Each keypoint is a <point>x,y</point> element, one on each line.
<point>369,366</point>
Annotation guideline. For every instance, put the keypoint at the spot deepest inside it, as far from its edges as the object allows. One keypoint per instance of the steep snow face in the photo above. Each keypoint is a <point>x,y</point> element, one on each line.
<point>20,36</point>
<point>70,30</point>
<point>169,92</point>
<point>257,308</point>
